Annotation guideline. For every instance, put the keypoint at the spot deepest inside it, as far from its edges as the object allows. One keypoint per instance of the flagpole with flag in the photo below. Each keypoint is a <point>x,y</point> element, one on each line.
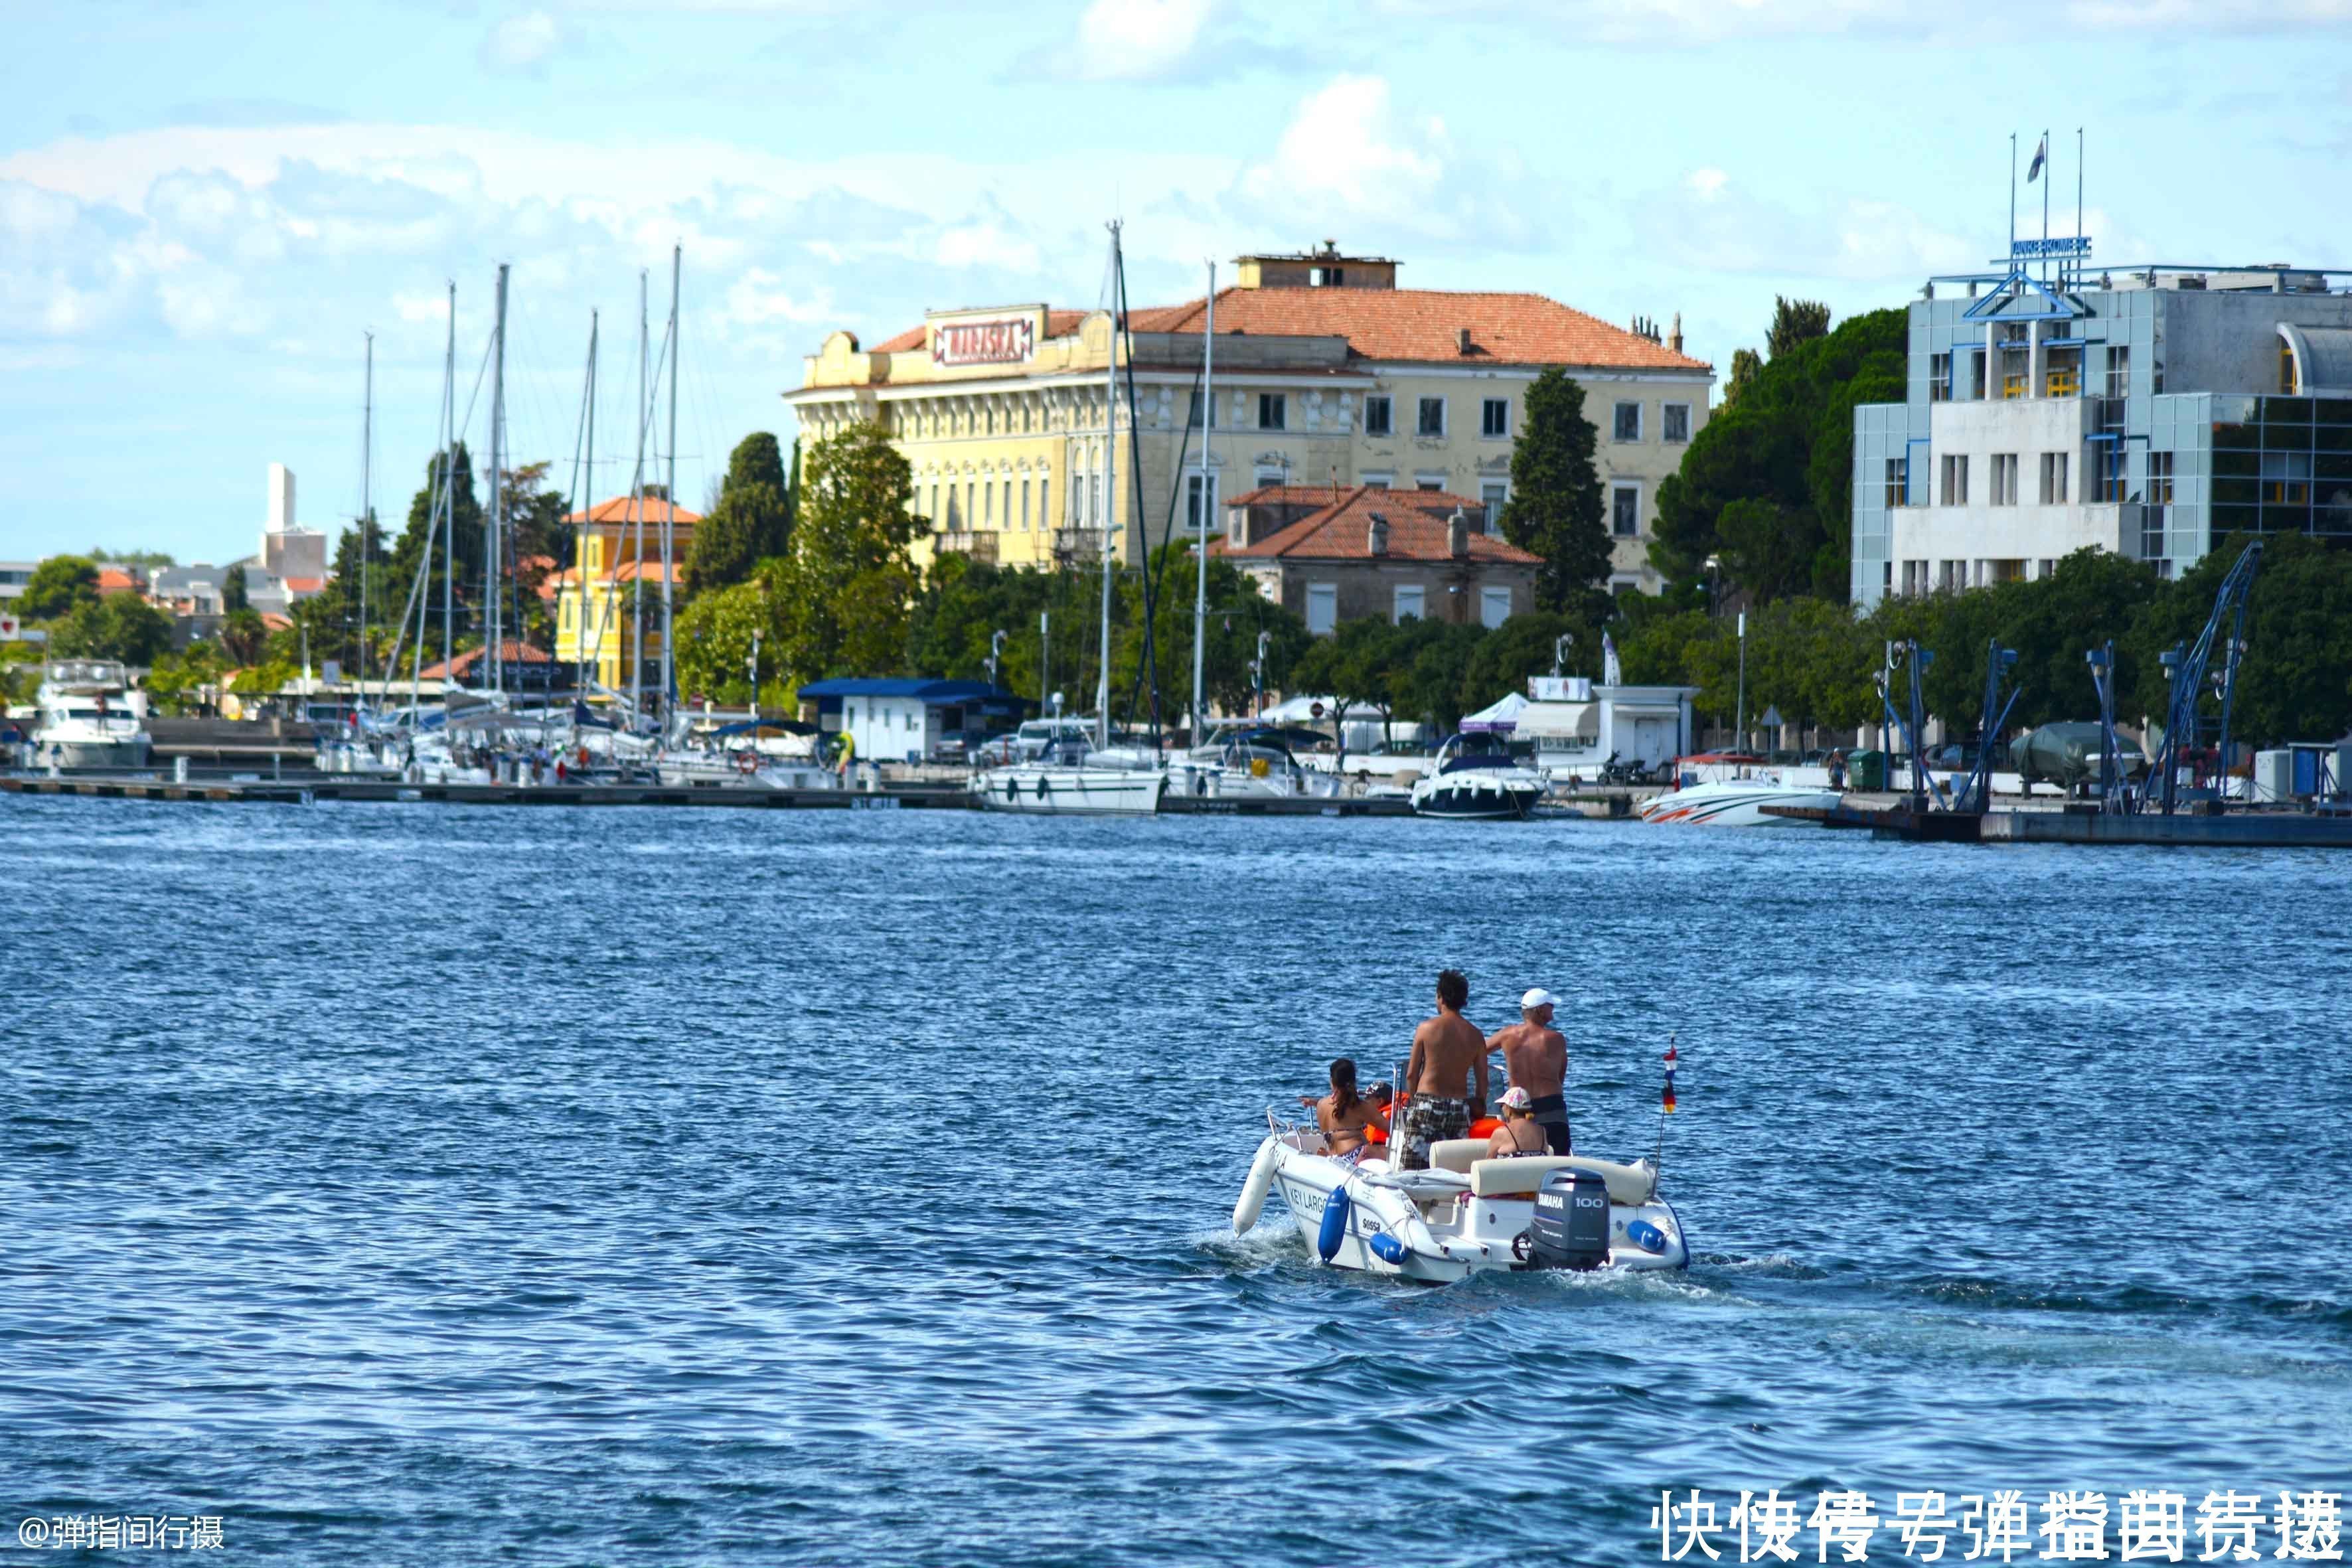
<point>2012,257</point>
<point>2041,156</point>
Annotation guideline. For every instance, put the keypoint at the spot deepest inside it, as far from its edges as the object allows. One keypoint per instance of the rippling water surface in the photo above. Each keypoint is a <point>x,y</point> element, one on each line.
<point>427,1186</point>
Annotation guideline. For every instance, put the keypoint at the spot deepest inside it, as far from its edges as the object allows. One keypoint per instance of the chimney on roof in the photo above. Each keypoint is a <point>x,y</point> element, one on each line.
<point>1462,340</point>
<point>1675,338</point>
<point>1457,535</point>
<point>1376,534</point>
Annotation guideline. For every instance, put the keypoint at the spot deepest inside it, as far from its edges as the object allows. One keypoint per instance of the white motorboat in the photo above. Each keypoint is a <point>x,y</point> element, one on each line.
<point>1070,780</point>
<point>1466,1214</point>
<point>1478,776</point>
<point>1736,803</point>
<point>89,716</point>
<point>744,767</point>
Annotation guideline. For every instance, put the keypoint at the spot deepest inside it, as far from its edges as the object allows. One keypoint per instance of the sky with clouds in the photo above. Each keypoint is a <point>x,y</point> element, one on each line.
<point>204,207</point>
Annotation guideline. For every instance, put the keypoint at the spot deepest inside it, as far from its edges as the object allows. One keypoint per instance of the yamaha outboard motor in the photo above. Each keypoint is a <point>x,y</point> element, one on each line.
<point>1571,1223</point>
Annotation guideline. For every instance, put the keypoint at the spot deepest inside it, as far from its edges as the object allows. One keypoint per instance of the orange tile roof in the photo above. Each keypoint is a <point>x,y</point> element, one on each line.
<point>1402,325</point>
<point>119,579</point>
<point>623,508</point>
<point>621,572</point>
<point>1425,325</point>
<point>510,652</point>
<point>1341,532</point>
<point>304,584</point>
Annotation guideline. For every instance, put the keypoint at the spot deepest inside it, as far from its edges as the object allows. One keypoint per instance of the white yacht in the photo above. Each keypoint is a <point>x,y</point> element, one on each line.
<point>1726,789</point>
<point>1250,761</point>
<point>1069,779</point>
<point>1478,776</point>
<point>89,716</point>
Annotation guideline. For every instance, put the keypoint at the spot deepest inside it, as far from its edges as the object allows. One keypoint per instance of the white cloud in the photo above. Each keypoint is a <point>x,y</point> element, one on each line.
<point>1345,153</point>
<point>757,298</point>
<point>986,245</point>
<point>522,42</point>
<point>1128,40</point>
<point>1696,23</point>
<point>1707,183</point>
<point>1712,223</point>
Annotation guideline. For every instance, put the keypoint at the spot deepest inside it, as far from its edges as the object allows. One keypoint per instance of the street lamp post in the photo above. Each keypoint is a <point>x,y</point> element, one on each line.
<point>755,672</point>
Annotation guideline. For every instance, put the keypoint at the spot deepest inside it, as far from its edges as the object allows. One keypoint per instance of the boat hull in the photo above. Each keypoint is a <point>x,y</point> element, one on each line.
<point>131,752</point>
<point>1476,797</point>
<point>1447,1232</point>
<point>1734,804</point>
<point>1037,789</point>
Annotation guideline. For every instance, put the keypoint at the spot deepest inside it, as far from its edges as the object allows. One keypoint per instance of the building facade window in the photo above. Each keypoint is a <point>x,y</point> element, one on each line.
<point>1377,416</point>
<point>1409,602</point>
<point>1976,374</point>
<point>2004,478</point>
<point>2159,478</point>
<point>1433,418</point>
<point>1493,494</point>
<point>1898,485</point>
<point>1495,418</point>
<point>1024,506</point>
<point>2118,370</point>
<point>1429,481</point>
<point>2053,479</point>
<point>2109,456</point>
<point>1940,378</point>
<point>1493,607</point>
<point>1955,479</point>
<point>1273,411</point>
<point>1322,607</point>
<point>1625,511</point>
<point>1045,506</point>
<point>1196,515</point>
<point>1203,405</point>
<point>1674,421</point>
<point>1627,425</point>
<point>1378,481</point>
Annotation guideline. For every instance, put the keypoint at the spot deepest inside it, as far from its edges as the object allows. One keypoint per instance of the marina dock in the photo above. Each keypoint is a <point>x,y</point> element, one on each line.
<point>299,791</point>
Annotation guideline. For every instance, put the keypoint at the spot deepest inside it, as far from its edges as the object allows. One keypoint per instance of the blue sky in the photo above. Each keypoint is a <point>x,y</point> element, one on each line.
<point>203,207</point>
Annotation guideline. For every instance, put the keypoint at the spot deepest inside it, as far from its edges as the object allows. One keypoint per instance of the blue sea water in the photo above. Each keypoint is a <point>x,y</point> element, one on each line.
<point>432,1185</point>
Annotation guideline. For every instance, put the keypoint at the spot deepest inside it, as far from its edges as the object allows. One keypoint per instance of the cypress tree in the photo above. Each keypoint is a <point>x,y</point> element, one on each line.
<point>1554,507</point>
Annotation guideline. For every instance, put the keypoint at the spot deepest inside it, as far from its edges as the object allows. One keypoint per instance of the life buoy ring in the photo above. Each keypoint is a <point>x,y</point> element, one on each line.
<point>747,762</point>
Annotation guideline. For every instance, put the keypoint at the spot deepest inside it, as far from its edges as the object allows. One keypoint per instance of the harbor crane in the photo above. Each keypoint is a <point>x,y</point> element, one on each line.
<point>2187,669</point>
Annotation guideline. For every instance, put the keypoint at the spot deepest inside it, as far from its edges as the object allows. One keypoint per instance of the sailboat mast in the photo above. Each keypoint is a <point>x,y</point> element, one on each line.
<point>587,522</point>
<point>1110,499</point>
<point>670,512</point>
<point>449,478</point>
<point>367,444</point>
<point>493,580</point>
<point>1201,539</point>
<point>637,510</point>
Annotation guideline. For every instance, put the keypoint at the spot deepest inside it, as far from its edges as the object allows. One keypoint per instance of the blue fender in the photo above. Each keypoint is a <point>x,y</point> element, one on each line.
<point>1335,1225</point>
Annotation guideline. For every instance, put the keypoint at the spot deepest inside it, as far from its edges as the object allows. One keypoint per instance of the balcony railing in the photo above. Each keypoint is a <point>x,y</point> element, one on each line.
<point>1077,544</point>
<point>981,546</point>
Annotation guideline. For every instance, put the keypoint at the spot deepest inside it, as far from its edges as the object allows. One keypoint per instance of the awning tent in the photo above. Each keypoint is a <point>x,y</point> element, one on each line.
<point>1498,718</point>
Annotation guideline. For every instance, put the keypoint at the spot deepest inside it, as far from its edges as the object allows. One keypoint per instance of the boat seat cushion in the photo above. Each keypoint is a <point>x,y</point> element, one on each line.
<point>1628,1185</point>
<point>1456,1153</point>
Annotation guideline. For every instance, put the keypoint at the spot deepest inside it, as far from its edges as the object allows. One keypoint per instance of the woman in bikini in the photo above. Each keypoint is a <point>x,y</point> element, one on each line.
<point>1343,1112</point>
<point>1520,1133</point>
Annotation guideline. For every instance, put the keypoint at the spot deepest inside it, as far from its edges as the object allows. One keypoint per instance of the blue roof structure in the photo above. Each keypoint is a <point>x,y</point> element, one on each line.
<point>921,687</point>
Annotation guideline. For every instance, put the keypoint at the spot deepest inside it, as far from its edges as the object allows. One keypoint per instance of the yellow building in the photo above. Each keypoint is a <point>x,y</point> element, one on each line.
<point>596,601</point>
<point>1325,372</point>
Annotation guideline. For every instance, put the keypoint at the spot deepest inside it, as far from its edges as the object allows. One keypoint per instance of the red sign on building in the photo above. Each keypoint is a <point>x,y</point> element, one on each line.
<point>998,340</point>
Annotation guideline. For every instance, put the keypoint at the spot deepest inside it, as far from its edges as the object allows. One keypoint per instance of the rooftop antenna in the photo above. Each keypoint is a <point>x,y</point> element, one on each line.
<point>2082,252</point>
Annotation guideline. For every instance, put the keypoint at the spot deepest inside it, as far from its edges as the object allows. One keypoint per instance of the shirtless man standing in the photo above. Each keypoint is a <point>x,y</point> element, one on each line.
<point>1535,1054</point>
<point>1446,1075</point>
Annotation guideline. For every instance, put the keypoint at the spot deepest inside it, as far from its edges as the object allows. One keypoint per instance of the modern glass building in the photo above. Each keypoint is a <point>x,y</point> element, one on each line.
<point>2150,411</point>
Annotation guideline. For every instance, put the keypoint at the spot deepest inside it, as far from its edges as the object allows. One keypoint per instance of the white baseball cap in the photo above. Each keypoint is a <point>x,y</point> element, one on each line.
<point>1515,1099</point>
<point>1538,997</point>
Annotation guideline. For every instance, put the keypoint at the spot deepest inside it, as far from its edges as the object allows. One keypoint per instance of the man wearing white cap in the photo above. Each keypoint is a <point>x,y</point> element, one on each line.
<point>1535,1054</point>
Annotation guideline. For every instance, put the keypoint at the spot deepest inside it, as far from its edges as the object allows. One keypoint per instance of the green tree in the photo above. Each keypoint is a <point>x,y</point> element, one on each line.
<point>235,595</point>
<point>121,625</point>
<point>1554,507</point>
<point>1523,645</point>
<point>466,528</point>
<point>844,589</point>
<point>1429,676</point>
<point>243,636</point>
<point>2294,681</point>
<point>1795,323</point>
<point>145,560</point>
<point>1358,665</point>
<point>59,585</point>
<point>1746,364</point>
<point>751,521</point>
<point>1785,441</point>
<point>1237,614</point>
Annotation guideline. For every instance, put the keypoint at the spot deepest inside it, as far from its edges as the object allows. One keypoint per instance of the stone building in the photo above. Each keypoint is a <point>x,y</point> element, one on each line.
<point>1325,372</point>
<point>1344,554</point>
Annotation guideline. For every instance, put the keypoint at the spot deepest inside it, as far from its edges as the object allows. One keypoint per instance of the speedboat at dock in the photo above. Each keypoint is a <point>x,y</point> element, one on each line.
<point>1478,776</point>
